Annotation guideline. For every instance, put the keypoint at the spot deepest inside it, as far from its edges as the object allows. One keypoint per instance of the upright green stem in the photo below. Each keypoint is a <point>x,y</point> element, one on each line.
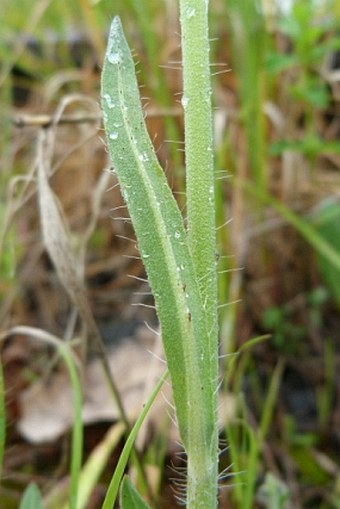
<point>199,157</point>
<point>196,101</point>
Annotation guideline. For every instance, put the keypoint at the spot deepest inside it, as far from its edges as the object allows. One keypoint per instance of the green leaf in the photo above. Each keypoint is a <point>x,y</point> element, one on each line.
<point>310,146</point>
<point>311,470</point>
<point>327,221</point>
<point>276,62</point>
<point>31,498</point>
<point>312,91</point>
<point>129,496</point>
<point>95,464</point>
<point>273,493</point>
<point>158,223</point>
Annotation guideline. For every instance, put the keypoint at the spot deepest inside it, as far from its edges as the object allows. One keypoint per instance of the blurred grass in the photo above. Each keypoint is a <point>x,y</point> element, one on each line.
<point>246,23</point>
<point>278,140</point>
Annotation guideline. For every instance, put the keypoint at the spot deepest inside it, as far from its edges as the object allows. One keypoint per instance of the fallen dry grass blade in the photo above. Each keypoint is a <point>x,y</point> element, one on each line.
<point>68,266</point>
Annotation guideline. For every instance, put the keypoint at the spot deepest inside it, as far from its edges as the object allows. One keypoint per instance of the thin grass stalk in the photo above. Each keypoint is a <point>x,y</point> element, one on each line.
<point>301,224</point>
<point>92,24</point>
<point>143,12</point>
<point>2,418</point>
<point>260,435</point>
<point>113,488</point>
<point>247,26</point>
<point>70,361</point>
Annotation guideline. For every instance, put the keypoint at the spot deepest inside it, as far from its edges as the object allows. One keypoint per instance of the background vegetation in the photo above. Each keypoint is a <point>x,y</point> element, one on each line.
<point>276,97</point>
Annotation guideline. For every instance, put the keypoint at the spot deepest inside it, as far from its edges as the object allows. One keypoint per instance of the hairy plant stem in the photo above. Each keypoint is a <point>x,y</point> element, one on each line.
<point>199,158</point>
<point>180,265</point>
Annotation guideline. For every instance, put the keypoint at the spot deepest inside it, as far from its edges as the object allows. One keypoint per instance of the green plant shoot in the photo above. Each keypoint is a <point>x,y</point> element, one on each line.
<point>180,265</point>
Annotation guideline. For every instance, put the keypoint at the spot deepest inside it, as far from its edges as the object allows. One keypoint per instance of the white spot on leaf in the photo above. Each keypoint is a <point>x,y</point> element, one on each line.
<point>191,11</point>
<point>109,101</point>
<point>184,101</point>
<point>143,157</point>
<point>114,58</point>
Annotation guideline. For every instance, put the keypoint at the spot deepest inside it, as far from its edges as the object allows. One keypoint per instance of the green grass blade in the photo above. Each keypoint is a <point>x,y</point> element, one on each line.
<point>113,488</point>
<point>2,418</point>
<point>94,466</point>
<point>326,220</point>
<point>77,428</point>
<point>147,15</point>
<point>247,26</point>
<point>303,226</point>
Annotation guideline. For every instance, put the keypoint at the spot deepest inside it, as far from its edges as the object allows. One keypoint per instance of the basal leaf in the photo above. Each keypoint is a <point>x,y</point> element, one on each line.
<point>129,496</point>
<point>31,498</point>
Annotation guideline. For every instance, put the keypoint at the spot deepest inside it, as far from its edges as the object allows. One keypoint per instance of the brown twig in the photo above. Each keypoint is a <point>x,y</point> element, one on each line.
<point>44,120</point>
